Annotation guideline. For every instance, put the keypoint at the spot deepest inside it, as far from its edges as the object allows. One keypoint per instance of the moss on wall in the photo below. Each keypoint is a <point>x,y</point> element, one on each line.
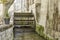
<point>40,31</point>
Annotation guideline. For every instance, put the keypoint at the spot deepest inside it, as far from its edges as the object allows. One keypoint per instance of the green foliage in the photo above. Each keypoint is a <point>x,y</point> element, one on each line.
<point>40,31</point>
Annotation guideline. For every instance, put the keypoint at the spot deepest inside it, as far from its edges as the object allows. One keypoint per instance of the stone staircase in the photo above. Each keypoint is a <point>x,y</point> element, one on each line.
<point>24,20</point>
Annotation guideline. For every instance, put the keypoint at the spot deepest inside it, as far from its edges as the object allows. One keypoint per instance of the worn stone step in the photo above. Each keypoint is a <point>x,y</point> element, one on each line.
<point>21,20</point>
<point>23,15</point>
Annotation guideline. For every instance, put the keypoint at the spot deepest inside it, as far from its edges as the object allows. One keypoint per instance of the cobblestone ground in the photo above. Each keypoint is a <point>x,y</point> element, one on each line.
<point>26,34</point>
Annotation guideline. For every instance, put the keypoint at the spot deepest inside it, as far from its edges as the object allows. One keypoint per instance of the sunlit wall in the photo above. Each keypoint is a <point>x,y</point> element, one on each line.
<point>20,5</point>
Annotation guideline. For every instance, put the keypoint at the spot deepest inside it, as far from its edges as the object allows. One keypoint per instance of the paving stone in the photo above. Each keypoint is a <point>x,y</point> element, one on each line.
<point>27,35</point>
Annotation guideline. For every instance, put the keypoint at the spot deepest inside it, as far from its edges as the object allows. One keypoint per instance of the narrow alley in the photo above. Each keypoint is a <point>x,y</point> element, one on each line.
<point>29,19</point>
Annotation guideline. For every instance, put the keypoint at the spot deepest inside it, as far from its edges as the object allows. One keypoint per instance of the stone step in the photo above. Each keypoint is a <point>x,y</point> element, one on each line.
<point>24,22</point>
<point>19,26</point>
<point>24,19</point>
<point>23,29</point>
<point>23,15</point>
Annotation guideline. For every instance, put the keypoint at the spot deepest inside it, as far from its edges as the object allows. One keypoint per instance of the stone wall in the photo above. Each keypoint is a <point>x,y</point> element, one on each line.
<point>37,1</point>
<point>48,15</point>
<point>49,25</point>
<point>7,34</point>
<point>53,19</point>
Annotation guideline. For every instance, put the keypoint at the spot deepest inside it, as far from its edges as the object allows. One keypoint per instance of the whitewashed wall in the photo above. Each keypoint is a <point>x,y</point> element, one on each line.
<point>20,6</point>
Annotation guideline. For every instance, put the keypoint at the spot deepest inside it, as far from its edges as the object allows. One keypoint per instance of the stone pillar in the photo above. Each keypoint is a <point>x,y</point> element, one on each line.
<point>43,13</point>
<point>38,7</point>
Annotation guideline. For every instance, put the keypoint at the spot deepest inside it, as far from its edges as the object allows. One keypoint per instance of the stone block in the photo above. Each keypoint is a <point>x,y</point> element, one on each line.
<point>3,37</point>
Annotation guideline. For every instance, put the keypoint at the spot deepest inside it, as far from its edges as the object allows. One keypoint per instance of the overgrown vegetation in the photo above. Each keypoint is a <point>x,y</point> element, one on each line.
<point>40,31</point>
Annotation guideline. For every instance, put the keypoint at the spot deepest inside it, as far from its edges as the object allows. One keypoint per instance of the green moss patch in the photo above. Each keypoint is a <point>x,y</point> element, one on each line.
<point>40,31</point>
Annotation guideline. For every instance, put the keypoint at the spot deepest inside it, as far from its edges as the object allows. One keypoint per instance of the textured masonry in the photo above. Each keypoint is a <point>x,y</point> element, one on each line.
<point>6,34</point>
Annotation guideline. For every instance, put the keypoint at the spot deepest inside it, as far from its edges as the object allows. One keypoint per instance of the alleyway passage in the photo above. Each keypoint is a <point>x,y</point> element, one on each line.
<point>26,34</point>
